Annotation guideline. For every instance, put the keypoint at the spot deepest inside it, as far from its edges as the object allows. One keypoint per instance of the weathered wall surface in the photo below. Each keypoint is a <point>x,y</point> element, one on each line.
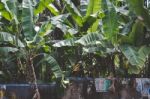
<point>86,90</point>
<point>77,89</point>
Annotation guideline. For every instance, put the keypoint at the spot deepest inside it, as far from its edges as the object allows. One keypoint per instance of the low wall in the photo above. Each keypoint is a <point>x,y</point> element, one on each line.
<point>78,88</point>
<point>26,91</point>
<point>85,89</point>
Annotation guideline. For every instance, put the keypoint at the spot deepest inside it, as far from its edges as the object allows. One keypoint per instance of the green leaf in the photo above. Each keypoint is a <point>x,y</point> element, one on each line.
<point>137,6</point>
<point>60,22</point>
<point>83,6</point>
<point>9,38</point>
<point>90,39</point>
<point>134,70</point>
<point>41,6</point>
<point>53,65</point>
<point>90,22</point>
<point>131,54</point>
<point>27,20</point>
<point>5,51</point>
<point>136,36</point>
<point>6,15</point>
<point>136,56</point>
<point>67,42</point>
<point>137,33</point>
<point>93,49</point>
<point>12,5</point>
<point>45,29</point>
<point>127,27</point>
<point>144,51</point>
<point>4,10</point>
<point>75,14</point>
<point>52,9</point>
<point>110,21</point>
<point>94,6</point>
<point>59,19</point>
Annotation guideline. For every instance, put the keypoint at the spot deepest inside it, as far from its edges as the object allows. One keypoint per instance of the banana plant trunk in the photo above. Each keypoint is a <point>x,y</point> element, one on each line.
<point>31,77</point>
<point>148,73</point>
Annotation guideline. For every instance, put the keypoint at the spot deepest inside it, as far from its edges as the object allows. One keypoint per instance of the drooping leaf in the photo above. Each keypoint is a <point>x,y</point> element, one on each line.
<point>52,63</point>
<point>90,39</point>
<point>67,42</point>
<point>4,51</point>
<point>93,49</point>
<point>9,38</point>
<point>144,51</point>
<point>136,56</point>
<point>131,54</point>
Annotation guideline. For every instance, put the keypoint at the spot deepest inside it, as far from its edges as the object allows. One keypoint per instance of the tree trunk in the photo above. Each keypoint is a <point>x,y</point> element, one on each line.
<point>148,73</point>
<point>31,77</point>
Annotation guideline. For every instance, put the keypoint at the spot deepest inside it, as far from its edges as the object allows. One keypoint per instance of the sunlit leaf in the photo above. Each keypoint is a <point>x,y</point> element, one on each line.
<point>5,11</point>
<point>67,42</point>
<point>90,39</point>
<point>41,6</point>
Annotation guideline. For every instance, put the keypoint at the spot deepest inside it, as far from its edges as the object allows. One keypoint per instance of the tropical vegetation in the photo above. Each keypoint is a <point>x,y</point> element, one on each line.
<point>49,40</point>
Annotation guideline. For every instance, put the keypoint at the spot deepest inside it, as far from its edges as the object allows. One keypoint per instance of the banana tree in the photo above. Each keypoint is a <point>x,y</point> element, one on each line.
<point>113,31</point>
<point>115,24</point>
<point>21,37</point>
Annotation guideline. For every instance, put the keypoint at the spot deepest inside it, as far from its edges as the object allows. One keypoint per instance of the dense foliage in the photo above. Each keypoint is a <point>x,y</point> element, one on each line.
<point>49,39</point>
